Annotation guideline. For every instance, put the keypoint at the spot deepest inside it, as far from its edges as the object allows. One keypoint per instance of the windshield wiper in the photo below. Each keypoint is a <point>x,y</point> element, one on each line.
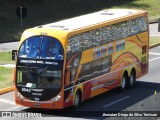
<point>43,71</point>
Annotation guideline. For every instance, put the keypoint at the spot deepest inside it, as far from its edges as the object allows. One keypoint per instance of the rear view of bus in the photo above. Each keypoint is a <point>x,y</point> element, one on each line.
<point>39,70</point>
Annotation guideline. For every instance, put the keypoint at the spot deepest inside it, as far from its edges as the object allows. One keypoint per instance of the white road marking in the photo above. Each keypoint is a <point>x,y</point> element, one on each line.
<point>13,108</point>
<point>154,35</point>
<point>7,101</point>
<point>154,59</point>
<point>151,53</point>
<point>8,65</point>
<point>116,101</point>
<point>159,46</point>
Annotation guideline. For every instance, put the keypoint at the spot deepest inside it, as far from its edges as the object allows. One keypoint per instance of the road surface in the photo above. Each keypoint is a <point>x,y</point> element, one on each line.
<point>109,101</point>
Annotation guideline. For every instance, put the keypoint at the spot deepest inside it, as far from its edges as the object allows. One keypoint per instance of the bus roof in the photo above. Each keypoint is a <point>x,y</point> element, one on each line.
<point>92,18</point>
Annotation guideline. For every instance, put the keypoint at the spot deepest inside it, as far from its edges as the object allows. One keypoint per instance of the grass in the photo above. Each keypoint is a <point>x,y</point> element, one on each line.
<point>6,58</point>
<point>5,77</point>
<point>154,40</point>
<point>46,11</point>
<point>152,6</point>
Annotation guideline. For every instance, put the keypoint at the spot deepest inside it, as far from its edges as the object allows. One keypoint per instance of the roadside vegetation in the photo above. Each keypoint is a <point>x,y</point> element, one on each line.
<point>154,40</point>
<point>5,77</point>
<point>152,6</point>
<point>46,11</point>
<point>6,58</point>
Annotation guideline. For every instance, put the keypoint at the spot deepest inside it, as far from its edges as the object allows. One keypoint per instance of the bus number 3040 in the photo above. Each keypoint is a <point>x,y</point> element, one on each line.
<point>26,89</point>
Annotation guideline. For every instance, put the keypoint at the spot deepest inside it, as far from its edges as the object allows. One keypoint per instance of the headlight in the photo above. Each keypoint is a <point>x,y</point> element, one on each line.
<point>58,97</point>
<point>19,95</point>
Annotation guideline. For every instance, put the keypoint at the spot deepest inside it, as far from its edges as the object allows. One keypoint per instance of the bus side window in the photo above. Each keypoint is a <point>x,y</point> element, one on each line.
<point>96,37</point>
<point>97,67</point>
<point>86,41</point>
<point>73,73</point>
<point>105,65</point>
<point>70,76</point>
<point>86,72</point>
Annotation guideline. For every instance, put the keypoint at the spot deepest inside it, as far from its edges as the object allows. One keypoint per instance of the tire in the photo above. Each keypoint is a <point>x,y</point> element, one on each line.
<point>123,82</point>
<point>77,100</point>
<point>131,81</point>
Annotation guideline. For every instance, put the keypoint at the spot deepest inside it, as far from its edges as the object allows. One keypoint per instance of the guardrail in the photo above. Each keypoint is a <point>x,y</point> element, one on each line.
<point>159,25</point>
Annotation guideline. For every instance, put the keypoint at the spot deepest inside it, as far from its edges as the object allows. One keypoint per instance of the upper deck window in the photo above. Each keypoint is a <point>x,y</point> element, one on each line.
<point>106,34</point>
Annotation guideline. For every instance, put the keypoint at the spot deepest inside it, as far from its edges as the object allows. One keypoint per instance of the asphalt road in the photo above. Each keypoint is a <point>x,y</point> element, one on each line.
<point>109,101</point>
<point>154,29</point>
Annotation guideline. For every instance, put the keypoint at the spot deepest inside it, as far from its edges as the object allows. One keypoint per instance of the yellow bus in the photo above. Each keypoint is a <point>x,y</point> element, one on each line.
<point>66,62</point>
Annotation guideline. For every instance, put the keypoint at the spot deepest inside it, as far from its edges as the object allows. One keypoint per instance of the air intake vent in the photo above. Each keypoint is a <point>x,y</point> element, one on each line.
<point>65,29</point>
<point>106,13</point>
<point>40,26</point>
<point>57,26</point>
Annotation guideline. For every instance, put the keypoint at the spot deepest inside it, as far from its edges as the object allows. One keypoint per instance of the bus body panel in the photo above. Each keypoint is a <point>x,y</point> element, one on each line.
<point>94,66</point>
<point>46,105</point>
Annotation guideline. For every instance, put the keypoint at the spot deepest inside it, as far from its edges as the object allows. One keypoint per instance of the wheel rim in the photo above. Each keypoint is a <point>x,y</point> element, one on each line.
<point>76,103</point>
<point>131,79</point>
<point>123,82</point>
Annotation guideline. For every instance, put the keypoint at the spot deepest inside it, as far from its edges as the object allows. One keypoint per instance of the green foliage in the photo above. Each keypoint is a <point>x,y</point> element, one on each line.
<point>154,40</point>
<point>6,58</point>
<point>46,11</point>
<point>5,77</point>
<point>152,6</point>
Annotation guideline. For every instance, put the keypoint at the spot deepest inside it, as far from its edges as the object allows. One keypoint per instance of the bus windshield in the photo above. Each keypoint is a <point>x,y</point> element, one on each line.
<point>39,66</point>
<point>41,78</point>
<point>41,47</point>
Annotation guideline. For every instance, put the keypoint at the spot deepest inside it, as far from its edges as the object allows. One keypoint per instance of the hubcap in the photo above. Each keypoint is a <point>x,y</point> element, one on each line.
<point>123,82</point>
<point>76,100</point>
<point>131,79</point>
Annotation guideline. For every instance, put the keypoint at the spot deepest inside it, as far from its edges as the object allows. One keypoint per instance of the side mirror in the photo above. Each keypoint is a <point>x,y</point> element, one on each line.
<point>159,25</point>
<point>14,54</point>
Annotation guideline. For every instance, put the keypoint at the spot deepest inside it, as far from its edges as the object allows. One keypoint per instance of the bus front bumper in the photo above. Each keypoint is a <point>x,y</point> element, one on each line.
<point>39,104</point>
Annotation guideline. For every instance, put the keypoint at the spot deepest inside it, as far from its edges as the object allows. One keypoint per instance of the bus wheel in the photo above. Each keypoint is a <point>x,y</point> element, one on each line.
<point>131,80</point>
<point>77,100</point>
<point>123,82</point>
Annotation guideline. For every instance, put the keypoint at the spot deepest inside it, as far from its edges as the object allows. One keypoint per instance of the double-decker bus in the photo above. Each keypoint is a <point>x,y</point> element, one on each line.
<point>66,62</point>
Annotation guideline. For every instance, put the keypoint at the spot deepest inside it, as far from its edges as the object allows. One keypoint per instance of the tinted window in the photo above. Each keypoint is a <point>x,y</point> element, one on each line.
<point>41,47</point>
<point>86,72</point>
<point>52,49</point>
<point>30,48</point>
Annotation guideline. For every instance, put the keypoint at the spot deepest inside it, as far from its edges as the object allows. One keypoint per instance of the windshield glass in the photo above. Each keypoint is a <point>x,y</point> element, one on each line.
<point>41,47</point>
<point>38,78</point>
<point>51,49</point>
<point>31,48</point>
<point>39,68</point>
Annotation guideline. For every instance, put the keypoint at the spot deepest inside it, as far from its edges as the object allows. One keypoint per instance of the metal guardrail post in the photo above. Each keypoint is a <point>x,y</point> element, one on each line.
<point>159,25</point>
<point>154,106</point>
